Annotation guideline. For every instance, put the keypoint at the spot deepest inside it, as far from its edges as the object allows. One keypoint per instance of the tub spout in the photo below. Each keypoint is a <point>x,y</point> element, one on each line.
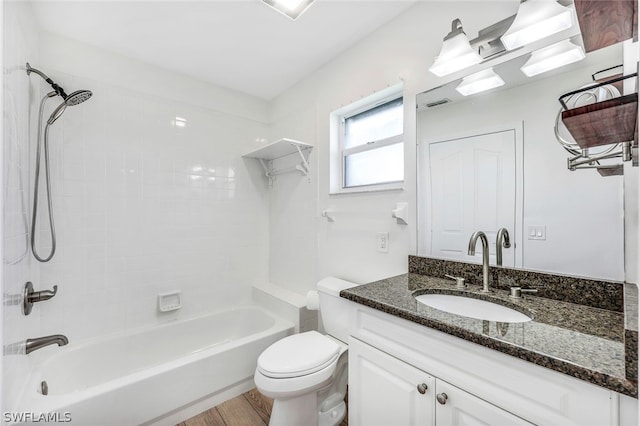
<point>40,342</point>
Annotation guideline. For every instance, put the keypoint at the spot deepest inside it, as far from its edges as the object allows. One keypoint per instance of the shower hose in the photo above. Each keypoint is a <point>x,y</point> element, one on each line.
<point>36,189</point>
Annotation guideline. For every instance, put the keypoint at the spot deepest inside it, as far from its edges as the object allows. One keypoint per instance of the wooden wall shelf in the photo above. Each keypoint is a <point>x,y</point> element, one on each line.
<point>604,23</point>
<point>603,123</point>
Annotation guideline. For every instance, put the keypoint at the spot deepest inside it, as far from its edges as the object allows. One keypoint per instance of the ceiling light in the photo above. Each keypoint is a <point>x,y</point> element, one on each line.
<point>290,8</point>
<point>536,19</point>
<point>456,52</point>
<point>479,82</point>
<point>552,57</point>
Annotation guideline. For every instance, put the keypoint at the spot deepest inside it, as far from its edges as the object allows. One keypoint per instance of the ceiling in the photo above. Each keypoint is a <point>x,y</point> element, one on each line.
<point>243,45</point>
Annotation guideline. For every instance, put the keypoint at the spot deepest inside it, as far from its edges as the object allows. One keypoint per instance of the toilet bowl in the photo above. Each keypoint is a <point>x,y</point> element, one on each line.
<point>306,374</point>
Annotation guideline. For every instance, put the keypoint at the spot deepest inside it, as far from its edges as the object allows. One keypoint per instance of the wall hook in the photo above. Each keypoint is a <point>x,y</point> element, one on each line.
<point>401,213</point>
<point>327,214</point>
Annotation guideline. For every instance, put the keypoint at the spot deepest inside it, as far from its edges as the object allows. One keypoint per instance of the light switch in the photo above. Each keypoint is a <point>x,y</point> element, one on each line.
<point>537,232</point>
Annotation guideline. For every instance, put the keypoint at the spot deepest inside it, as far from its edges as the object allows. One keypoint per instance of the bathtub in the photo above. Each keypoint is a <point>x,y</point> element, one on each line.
<point>157,375</point>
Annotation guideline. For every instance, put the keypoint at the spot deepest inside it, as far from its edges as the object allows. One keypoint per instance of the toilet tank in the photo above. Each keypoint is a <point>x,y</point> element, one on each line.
<point>334,310</point>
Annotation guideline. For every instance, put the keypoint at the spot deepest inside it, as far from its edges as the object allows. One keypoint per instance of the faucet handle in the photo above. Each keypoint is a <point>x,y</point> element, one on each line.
<point>31,296</point>
<point>516,292</point>
<point>459,281</point>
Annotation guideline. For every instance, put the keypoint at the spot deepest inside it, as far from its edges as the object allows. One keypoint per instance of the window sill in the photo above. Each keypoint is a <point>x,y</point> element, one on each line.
<point>396,186</point>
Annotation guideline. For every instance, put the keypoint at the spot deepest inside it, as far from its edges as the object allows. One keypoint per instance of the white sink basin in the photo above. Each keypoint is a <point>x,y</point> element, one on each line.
<point>473,308</point>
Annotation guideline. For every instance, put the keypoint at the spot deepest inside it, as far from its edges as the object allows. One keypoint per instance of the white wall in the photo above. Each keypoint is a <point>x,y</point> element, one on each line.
<point>19,46</point>
<point>292,210</point>
<point>400,51</point>
<point>142,206</point>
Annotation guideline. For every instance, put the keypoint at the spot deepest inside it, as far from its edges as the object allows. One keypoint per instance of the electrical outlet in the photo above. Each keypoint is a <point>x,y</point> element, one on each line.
<point>382,242</point>
<point>537,232</point>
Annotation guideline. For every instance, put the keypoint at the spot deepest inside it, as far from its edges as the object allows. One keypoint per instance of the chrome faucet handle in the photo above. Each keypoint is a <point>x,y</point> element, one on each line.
<point>459,281</point>
<point>516,292</point>
<point>31,296</point>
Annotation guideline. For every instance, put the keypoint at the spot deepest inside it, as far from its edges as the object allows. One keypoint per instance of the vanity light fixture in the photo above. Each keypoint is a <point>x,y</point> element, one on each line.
<point>479,82</point>
<point>552,57</point>
<point>456,52</point>
<point>535,20</point>
<point>290,8</point>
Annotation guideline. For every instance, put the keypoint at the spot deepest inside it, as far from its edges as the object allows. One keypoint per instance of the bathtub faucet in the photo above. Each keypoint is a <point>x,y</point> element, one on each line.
<point>40,342</point>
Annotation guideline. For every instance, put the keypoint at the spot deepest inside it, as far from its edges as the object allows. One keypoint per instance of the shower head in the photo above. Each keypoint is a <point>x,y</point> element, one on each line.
<point>77,97</point>
<point>73,99</point>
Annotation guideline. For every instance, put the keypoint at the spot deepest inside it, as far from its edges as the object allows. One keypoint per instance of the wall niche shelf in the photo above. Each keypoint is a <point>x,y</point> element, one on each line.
<point>281,148</point>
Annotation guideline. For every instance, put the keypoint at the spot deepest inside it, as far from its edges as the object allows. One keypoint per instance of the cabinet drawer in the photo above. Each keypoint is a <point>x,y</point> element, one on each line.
<point>457,407</point>
<point>535,393</point>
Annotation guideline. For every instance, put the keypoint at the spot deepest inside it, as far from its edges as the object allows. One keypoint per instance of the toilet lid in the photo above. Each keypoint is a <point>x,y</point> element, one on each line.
<point>298,355</point>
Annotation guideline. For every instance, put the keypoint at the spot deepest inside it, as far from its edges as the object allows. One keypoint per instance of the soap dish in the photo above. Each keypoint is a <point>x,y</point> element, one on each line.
<point>169,301</point>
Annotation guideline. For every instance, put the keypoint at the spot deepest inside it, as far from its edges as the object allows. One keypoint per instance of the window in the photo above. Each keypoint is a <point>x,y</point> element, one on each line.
<point>371,146</point>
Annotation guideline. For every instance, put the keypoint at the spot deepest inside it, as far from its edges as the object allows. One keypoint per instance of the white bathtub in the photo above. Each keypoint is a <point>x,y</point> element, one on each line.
<point>156,375</point>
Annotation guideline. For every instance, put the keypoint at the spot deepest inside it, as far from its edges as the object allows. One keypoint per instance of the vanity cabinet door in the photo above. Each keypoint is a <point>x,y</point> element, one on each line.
<point>385,391</point>
<point>456,407</point>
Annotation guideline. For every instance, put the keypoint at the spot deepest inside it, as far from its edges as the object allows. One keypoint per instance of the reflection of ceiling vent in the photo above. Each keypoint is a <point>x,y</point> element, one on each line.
<point>438,102</point>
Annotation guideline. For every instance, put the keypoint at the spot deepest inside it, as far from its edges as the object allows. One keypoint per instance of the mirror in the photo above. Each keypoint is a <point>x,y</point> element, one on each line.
<point>492,160</point>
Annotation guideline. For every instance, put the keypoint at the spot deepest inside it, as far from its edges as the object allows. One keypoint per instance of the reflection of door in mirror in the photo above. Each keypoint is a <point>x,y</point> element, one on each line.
<point>567,222</point>
<point>473,188</point>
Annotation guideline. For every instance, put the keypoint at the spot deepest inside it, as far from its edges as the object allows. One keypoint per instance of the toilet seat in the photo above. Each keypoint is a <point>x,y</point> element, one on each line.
<point>298,355</point>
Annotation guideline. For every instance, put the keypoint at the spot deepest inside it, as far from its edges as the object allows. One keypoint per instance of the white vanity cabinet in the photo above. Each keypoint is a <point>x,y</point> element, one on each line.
<point>391,392</point>
<point>385,391</point>
<point>390,357</point>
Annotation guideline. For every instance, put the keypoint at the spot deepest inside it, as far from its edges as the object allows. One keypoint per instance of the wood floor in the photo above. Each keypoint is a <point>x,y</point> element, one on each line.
<point>249,409</point>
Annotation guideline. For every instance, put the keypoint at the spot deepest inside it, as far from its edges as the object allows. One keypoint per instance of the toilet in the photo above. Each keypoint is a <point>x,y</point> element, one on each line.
<point>306,374</point>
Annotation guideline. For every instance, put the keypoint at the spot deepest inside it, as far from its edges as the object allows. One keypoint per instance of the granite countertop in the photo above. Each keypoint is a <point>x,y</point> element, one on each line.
<point>582,341</point>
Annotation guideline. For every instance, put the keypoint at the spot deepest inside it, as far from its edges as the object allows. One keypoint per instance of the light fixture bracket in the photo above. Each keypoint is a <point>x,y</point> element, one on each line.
<point>456,28</point>
<point>488,43</point>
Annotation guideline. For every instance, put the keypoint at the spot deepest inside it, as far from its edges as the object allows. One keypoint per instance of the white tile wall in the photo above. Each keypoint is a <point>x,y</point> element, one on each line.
<point>144,206</point>
<point>19,46</point>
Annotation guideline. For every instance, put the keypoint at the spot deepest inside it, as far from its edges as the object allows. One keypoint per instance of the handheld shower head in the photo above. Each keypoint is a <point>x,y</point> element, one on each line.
<point>73,99</point>
<point>56,113</point>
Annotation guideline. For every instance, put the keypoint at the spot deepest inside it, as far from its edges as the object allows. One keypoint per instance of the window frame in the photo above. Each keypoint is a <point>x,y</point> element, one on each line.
<point>369,146</point>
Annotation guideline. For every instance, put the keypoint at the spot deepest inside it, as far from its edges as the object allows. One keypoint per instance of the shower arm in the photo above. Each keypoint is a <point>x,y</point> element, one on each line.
<point>59,90</point>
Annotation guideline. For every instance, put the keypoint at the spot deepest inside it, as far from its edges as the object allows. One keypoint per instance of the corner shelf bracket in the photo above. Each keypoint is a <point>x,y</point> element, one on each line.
<point>281,148</point>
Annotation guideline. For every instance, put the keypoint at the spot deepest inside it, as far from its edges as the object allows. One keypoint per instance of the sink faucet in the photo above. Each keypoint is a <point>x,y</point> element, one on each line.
<point>485,256</point>
<point>40,342</point>
<point>502,240</point>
